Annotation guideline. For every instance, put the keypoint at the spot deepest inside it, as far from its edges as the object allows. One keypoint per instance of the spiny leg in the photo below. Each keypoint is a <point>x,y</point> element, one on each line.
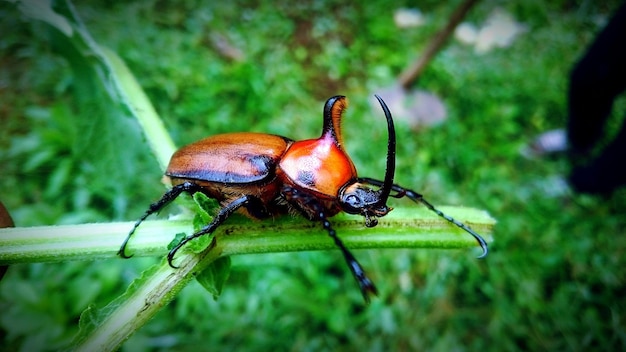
<point>219,219</point>
<point>418,198</point>
<point>365,284</point>
<point>305,200</point>
<point>167,198</point>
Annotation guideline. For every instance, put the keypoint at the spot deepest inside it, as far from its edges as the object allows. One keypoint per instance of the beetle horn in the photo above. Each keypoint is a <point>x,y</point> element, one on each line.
<point>333,109</point>
<point>391,154</point>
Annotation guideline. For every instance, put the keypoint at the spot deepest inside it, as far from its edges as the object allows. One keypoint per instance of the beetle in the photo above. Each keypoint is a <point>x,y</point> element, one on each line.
<point>265,175</point>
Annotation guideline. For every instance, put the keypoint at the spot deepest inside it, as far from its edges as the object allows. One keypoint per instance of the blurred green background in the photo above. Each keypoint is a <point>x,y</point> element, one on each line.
<point>556,275</point>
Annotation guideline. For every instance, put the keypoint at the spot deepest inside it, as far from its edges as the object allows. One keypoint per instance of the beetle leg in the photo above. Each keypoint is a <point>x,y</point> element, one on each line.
<point>305,200</point>
<point>256,208</point>
<point>219,219</point>
<point>365,284</point>
<point>167,198</point>
<point>418,198</point>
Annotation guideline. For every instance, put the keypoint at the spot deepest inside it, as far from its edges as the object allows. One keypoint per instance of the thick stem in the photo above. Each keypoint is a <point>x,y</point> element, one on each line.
<point>404,227</point>
<point>138,305</point>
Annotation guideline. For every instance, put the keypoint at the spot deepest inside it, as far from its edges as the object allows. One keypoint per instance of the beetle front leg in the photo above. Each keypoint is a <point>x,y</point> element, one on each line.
<point>308,205</point>
<point>166,199</point>
<point>365,284</point>
<point>219,219</point>
<point>418,198</point>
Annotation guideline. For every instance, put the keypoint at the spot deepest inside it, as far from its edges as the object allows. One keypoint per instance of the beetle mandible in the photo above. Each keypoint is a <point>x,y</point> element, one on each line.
<point>265,175</point>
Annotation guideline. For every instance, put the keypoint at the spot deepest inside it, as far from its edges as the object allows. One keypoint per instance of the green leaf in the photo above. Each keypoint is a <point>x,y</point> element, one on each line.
<point>215,275</point>
<point>176,240</point>
<point>205,208</point>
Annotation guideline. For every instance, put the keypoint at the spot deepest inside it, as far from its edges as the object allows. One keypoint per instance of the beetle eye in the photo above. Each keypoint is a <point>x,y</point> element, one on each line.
<point>352,204</point>
<point>357,199</point>
<point>353,201</point>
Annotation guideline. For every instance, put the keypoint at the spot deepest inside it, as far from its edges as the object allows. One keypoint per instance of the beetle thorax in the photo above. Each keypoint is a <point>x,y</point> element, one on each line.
<point>318,165</point>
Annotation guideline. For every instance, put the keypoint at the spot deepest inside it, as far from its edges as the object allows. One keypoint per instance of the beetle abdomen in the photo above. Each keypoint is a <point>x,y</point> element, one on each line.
<point>229,158</point>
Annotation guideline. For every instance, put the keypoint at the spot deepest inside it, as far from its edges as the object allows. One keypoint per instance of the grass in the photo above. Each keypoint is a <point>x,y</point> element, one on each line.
<point>554,279</point>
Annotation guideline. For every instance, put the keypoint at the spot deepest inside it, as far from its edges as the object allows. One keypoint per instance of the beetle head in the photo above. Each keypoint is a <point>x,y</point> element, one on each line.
<point>358,198</point>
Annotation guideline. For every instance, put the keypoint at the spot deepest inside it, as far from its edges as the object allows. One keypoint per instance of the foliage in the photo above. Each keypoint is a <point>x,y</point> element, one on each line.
<point>553,281</point>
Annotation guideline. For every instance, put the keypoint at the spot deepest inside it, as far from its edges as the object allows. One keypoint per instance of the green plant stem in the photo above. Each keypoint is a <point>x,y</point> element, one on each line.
<point>84,241</point>
<point>131,311</point>
<point>404,227</point>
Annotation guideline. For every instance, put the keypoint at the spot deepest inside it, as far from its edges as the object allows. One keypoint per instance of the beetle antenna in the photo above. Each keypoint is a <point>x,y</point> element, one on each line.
<point>391,154</point>
<point>418,198</point>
